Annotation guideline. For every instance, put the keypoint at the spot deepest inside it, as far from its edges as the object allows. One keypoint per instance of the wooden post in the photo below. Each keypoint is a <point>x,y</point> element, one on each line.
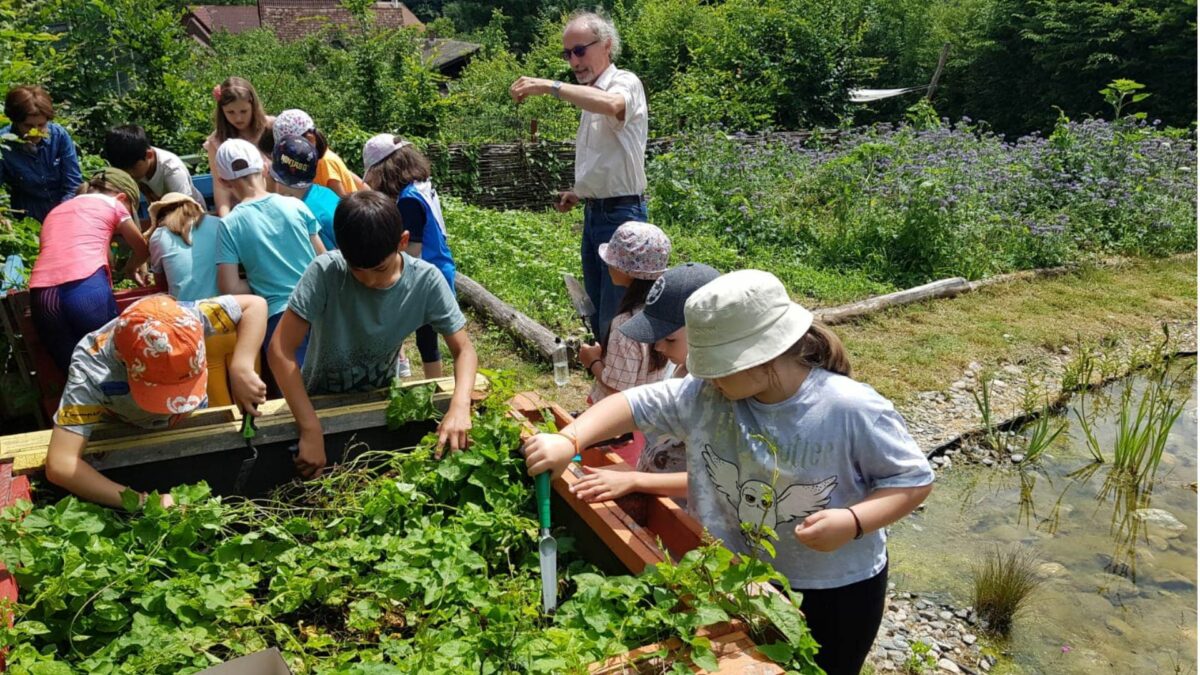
<point>533,130</point>
<point>937,73</point>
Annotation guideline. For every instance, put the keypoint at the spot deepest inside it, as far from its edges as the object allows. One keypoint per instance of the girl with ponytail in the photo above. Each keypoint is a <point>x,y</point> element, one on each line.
<point>777,434</point>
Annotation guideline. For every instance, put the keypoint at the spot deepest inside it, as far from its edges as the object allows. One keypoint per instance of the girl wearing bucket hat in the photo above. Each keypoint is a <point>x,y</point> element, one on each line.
<point>662,465</point>
<point>768,405</point>
<point>636,256</point>
<point>70,286</point>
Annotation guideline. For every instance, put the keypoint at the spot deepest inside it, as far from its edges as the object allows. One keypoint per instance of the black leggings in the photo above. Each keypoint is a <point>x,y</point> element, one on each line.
<point>844,622</point>
<point>427,344</point>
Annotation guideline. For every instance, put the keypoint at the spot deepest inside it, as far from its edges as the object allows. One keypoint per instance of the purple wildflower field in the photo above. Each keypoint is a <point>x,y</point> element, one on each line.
<point>898,205</point>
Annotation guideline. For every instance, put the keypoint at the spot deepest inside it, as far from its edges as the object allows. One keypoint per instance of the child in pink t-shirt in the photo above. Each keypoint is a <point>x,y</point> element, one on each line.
<point>71,284</point>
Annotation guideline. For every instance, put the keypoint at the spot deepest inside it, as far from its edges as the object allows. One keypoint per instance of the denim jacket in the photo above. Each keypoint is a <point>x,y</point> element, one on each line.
<point>40,180</point>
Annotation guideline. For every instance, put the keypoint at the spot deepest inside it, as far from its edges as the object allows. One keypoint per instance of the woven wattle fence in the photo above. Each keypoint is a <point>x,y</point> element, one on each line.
<point>528,174</point>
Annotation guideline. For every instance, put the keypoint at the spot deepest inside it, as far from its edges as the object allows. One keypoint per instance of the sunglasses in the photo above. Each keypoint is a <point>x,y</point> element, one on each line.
<point>577,50</point>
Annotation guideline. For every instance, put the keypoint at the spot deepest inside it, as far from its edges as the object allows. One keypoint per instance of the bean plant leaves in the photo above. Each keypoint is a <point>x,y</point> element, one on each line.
<point>393,563</point>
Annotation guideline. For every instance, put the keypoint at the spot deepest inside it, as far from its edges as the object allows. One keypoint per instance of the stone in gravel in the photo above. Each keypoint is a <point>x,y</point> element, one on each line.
<point>984,665</point>
<point>1013,370</point>
<point>988,461</point>
<point>959,385</point>
<point>895,656</point>
<point>1064,350</point>
<point>945,616</point>
<point>969,639</point>
<point>1118,626</point>
<point>901,615</point>
<point>1050,569</point>
<point>1160,523</point>
<point>962,613</point>
<point>900,643</point>
<point>974,367</point>
<point>945,462</point>
<point>948,666</point>
<point>1017,458</point>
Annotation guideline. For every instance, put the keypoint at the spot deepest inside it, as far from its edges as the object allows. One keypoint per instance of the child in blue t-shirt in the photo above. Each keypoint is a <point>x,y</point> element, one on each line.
<point>768,404</point>
<point>396,168</point>
<point>183,246</point>
<point>273,237</point>
<point>294,166</point>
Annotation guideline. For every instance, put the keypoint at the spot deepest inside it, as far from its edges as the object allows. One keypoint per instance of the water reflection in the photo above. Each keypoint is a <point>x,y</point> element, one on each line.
<point>1118,546</point>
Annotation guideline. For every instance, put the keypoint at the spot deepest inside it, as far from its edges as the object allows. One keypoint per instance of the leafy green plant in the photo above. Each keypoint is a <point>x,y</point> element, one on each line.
<point>1144,422</point>
<point>392,560</point>
<point>982,394</point>
<point>1002,583</point>
<point>920,659</point>
<point>410,404</point>
<point>1046,429</point>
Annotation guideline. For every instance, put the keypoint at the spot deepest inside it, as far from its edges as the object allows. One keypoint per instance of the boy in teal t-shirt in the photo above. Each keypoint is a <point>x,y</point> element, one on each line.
<point>273,237</point>
<point>357,305</point>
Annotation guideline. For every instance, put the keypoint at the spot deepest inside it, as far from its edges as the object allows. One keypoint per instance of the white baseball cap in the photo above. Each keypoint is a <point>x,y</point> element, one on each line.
<point>237,158</point>
<point>379,147</point>
<point>741,320</point>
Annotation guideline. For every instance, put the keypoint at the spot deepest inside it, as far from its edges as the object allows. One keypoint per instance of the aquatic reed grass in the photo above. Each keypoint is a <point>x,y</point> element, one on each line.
<point>1003,582</point>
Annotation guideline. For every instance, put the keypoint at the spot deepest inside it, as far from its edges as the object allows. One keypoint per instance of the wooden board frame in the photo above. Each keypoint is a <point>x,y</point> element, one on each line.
<point>219,429</point>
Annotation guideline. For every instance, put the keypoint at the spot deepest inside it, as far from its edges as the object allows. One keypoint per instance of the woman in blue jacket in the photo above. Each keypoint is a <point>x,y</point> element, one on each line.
<point>41,168</point>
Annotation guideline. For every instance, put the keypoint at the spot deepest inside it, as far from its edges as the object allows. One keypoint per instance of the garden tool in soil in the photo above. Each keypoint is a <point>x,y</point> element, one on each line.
<point>582,304</point>
<point>249,431</point>
<point>547,547</point>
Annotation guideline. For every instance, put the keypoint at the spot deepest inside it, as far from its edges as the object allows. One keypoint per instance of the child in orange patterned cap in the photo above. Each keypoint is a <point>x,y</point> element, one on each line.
<point>147,367</point>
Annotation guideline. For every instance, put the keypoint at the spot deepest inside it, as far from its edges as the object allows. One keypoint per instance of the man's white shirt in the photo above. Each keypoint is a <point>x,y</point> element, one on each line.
<point>610,154</point>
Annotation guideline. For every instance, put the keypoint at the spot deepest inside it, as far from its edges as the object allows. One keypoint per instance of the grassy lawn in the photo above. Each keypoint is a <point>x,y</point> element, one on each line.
<point>927,346</point>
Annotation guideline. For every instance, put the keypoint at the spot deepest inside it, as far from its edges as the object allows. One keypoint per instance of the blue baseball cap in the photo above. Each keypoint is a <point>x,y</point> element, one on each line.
<point>294,162</point>
<point>663,311</point>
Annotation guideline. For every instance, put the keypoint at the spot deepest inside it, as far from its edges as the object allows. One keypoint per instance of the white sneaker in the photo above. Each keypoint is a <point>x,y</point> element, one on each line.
<point>403,368</point>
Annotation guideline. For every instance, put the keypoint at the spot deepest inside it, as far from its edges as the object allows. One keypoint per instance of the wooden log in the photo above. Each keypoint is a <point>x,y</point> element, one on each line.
<point>526,330</point>
<point>945,288</point>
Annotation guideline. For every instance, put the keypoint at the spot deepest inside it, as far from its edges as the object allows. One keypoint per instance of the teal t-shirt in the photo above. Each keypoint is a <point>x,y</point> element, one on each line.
<point>191,270</point>
<point>356,331</point>
<point>323,202</point>
<point>269,237</point>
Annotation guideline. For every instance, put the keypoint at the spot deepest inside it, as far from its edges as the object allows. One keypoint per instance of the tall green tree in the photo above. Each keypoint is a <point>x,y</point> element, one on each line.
<point>1036,54</point>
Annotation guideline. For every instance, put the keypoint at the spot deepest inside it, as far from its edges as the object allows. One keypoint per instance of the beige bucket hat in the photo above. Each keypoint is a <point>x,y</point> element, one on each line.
<point>741,320</point>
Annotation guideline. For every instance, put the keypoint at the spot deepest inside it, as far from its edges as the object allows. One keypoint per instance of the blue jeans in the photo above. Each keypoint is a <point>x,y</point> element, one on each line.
<point>598,227</point>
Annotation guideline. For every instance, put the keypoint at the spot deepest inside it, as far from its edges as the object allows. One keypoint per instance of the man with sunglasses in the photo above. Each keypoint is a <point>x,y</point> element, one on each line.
<point>610,147</point>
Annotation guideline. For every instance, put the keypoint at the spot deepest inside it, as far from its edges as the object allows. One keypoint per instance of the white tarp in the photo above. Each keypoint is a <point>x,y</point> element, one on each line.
<point>868,95</point>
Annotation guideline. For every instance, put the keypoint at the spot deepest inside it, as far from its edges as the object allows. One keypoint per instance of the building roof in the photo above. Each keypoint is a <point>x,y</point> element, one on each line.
<point>294,19</point>
<point>441,52</point>
<point>202,21</point>
<point>288,19</point>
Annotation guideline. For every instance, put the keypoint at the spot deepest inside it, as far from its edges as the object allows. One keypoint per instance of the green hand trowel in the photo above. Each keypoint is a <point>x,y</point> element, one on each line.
<point>547,547</point>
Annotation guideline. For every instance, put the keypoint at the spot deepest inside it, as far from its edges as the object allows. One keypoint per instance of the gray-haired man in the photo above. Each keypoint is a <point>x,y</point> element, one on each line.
<point>610,147</point>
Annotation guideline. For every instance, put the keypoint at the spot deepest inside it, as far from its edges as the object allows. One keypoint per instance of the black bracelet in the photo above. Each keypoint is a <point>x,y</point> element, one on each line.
<point>589,368</point>
<point>858,531</point>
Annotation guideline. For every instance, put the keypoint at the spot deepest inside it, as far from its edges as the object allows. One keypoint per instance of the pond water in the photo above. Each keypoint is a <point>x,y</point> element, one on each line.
<point>1120,592</point>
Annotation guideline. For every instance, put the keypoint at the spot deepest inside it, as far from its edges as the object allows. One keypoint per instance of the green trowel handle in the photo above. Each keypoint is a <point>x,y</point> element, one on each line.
<point>542,483</point>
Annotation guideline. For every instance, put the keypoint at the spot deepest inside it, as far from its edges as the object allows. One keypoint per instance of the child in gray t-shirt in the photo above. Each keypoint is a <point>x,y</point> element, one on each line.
<point>768,407</point>
<point>361,302</point>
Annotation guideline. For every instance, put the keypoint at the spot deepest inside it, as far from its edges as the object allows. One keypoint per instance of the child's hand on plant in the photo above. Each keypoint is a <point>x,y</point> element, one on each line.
<point>826,530</point>
<point>601,485</point>
<point>548,452</point>
<point>452,431</point>
<point>311,456</point>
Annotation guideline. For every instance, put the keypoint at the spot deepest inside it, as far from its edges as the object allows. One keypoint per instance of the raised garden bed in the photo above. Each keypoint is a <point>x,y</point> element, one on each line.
<point>392,563</point>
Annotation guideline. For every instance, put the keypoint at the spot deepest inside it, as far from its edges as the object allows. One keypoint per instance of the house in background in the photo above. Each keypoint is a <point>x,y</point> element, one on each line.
<point>295,19</point>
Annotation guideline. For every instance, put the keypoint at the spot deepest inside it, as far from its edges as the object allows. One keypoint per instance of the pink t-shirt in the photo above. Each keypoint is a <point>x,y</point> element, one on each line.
<point>75,239</point>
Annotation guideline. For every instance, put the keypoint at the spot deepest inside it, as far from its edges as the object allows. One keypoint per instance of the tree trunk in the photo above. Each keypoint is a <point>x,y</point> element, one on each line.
<point>524,329</point>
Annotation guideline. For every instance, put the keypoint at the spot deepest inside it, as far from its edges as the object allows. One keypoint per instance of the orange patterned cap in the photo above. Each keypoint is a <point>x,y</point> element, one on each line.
<point>162,346</point>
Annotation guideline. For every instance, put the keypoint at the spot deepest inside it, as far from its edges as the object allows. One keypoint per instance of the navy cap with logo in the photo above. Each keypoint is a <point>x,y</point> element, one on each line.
<point>294,162</point>
<point>663,311</point>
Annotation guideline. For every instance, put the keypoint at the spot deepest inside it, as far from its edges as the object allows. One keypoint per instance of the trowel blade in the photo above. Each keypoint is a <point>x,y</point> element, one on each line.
<point>579,298</point>
<point>548,558</point>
